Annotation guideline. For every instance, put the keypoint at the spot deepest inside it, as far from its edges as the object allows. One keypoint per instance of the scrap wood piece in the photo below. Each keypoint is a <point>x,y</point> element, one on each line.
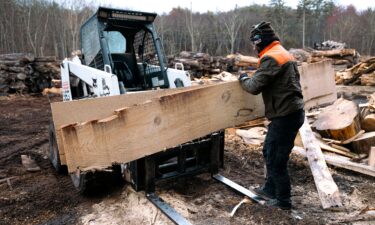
<point>342,162</point>
<point>327,189</point>
<point>29,163</point>
<point>245,200</point>
<point>326,147</point>
<point>339,121</point>
<point>371,157</point>
<point>318,83</point>
<point>253,136</point>
<point>136,131</point>
<point>368,122</point>
<point>364,142</point>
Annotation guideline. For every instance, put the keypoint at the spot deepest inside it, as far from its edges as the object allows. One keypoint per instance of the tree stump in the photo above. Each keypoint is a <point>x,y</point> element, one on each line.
<point>339,121</point>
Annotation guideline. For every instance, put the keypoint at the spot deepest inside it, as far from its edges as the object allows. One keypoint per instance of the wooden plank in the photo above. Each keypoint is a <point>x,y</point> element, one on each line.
<point>169,120</point>
<point>327,189</point>
<point>312,77</point>
<point>79,111</point>
<point>371,158</point>
<point>318,83</point>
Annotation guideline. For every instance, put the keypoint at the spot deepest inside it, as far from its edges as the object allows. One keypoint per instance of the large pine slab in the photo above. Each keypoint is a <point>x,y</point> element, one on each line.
<point>136,131</point>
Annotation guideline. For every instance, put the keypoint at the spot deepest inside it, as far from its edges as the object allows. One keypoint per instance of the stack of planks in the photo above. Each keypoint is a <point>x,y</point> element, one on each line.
<point>23,72</point>
<point>202,64</point>
<point>362,73</point>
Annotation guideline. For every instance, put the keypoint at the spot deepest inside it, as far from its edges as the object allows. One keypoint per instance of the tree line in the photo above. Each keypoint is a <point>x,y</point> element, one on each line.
<point>47,27</point>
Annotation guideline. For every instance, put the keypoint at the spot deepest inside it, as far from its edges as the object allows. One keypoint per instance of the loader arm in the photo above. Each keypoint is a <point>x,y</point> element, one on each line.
<point>93,82</point>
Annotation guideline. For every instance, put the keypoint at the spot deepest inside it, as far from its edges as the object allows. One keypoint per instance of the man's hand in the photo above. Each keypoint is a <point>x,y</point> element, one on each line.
<point>242,76</point>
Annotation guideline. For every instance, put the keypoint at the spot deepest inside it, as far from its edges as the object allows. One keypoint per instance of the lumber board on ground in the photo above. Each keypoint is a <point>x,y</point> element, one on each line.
<point>327,189</point>
<point>318,83</point>
<point>136,131</point>
<point>343,162</point>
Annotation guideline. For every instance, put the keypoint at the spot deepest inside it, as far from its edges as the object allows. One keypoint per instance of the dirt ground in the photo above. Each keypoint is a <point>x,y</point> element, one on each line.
<point>46,197</point>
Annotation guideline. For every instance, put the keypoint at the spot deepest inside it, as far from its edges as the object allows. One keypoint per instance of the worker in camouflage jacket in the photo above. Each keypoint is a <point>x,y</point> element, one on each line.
<point>278,79</point>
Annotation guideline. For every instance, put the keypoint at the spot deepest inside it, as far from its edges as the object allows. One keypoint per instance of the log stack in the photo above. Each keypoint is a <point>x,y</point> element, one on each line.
<point>203,64</point>
<point>25,73</point>
<point>341,58</point>
<point>362,73</point>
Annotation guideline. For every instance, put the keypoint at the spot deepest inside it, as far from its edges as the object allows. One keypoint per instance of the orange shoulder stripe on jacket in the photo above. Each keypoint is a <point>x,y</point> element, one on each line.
<point>277,52</point>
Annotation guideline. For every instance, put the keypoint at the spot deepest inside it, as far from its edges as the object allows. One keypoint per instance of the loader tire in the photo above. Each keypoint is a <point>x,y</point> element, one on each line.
<point>54,151</point>
<point>94,182</point>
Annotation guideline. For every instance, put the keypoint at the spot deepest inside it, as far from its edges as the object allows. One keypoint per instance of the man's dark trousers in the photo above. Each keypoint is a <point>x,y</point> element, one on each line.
<point>278,144</point>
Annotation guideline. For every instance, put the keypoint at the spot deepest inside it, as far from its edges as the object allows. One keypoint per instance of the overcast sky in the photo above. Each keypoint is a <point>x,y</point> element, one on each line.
<point>161,6</point>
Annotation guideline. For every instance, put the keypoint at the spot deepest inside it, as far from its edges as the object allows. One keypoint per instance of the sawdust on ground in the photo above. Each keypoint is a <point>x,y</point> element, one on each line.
<point>46,197</point>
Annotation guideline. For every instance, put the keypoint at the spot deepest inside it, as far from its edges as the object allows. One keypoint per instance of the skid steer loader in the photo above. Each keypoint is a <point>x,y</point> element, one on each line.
<point>121,53</point>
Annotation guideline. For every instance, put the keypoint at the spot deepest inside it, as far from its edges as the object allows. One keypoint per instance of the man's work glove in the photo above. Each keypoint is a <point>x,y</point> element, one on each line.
<point>242,76</point>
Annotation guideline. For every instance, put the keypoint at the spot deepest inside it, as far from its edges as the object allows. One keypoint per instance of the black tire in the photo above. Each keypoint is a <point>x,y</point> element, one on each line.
<point>54,151</point>
<point>80,181</point>
<point>88,183</point>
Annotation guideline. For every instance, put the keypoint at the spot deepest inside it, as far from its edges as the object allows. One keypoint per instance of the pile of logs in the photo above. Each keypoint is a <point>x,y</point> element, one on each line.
<point>202,64</point>
<point>361,74</point>
<point>341,58</point>
<point>25,73</point>
<point>344,57</point>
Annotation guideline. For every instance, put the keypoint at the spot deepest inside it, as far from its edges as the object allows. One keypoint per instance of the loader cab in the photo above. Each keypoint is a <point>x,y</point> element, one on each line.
<point>126,41</point>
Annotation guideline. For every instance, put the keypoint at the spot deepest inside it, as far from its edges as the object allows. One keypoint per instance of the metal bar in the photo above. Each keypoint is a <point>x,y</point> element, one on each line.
<point>167,209</point>
<point>240,189</point>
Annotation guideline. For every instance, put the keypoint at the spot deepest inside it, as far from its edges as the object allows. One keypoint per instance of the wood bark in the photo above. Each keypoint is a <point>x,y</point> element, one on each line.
<point>327,189</point>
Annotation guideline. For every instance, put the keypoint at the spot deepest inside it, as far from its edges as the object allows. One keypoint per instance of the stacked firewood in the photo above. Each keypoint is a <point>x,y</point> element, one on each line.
<point>361,74</point>
<point>202,64</point>
<point>341,58</point>
<point>25,73</point>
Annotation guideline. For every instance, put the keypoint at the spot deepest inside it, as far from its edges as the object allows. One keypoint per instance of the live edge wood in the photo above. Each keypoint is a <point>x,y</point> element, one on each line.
<point>327,189</point>
<point>136,131</point>
<point>316,80</point>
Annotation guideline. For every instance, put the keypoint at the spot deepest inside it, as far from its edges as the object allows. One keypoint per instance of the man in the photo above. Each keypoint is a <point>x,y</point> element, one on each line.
<point>277,78</point>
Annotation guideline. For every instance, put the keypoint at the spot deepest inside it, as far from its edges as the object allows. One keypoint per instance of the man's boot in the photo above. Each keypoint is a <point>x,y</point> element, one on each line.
<point>285,205</point>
